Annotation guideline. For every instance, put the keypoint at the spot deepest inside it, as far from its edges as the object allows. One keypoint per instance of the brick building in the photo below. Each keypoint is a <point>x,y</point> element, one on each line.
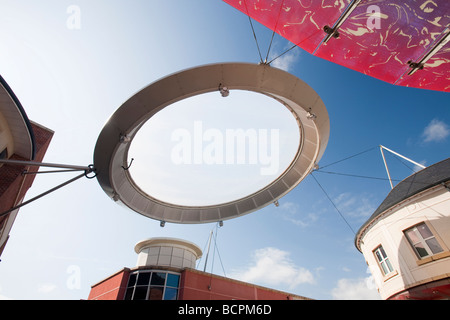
<point>166,271</point>
<point>20,139</point>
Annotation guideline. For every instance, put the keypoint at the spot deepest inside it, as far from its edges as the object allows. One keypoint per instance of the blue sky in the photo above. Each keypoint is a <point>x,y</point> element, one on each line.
<point>72,80</point>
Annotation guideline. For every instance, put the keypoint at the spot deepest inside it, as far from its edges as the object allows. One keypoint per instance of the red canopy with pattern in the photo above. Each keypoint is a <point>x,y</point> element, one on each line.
<point>403,42</point>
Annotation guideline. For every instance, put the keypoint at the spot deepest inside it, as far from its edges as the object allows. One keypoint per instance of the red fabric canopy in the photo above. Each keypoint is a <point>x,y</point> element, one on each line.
<point>382,39</point>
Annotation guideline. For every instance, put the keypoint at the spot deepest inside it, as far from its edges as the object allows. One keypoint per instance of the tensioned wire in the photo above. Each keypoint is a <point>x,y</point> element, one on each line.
<point>326,194</point>
<point>214,250</point>
<point>351,175</point>
<point>273,34</point>
<point>320,169</point>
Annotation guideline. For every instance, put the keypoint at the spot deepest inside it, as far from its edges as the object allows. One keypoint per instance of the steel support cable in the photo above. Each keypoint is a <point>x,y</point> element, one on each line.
<point>44,194</point>
<point>214,255</point>
<point>215,244</point>
<point>355,155</point>
<point>89,168</point>
<point>273,32</point>
<point>204,248</point>
<point>208,244</point>
<point>253,30</point>
<point>282,54</point>
<point>403,163</point>
<point>294,46</point>
<point>50,171</point>
<point>334,205</point>
<point>65,168</point>
<point>320,170</point>
<point>368,177</point>
<point>354,175</point>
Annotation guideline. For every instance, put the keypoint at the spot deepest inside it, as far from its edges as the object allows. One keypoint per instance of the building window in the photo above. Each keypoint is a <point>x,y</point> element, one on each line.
<point>422,240</point>
<point>152,285</point>
<point>383,260</point>
<point>4,154</point>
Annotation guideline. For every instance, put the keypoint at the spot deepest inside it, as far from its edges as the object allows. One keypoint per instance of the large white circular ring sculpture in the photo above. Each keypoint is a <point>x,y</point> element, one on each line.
<point>111,151</point>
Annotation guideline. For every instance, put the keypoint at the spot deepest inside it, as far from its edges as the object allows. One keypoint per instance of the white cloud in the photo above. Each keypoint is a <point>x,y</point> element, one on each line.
<point>273,267</point>
<point>355,289</point>
<point>418,168</point>
<point>357,206</point>
<point>287,61</point>
<point>436,131</point>
<point>2,297</point>
<point>290,207</point>
<point>46,288</point>
<point>290,212</point>
<point>346,269</point>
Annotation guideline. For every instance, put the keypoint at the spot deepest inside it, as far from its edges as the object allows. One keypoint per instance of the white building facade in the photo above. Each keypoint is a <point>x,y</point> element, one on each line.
<point>406,241</point>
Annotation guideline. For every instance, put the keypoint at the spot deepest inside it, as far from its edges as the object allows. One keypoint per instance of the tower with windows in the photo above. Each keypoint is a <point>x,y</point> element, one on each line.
<point>406,241</point>
<point>165,270</point>
<point>159,265</point>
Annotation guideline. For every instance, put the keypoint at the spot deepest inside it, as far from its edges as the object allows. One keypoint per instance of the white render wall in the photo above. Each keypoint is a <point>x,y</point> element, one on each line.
<point>6,138</point>
<point>432,207</point>
<point>167,252</point>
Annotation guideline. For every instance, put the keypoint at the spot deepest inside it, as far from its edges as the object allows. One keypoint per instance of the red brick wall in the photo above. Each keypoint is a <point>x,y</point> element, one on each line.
<point>197,285</point>
<point>11,175</point>
<point>10,181</point>
<point>112,288</point>
<point>194,285</point>
<point>13,184</point>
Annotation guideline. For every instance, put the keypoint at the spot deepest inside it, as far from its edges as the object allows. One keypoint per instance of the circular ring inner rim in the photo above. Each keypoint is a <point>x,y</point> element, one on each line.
<point>119,185</point>
<point>180,206</point>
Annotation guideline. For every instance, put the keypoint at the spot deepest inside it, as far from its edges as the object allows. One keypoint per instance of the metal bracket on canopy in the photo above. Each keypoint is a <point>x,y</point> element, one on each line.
<point>421,63</point>
<point>333,32</point>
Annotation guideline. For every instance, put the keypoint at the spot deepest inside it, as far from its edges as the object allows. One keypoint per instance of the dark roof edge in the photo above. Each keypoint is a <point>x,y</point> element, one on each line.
<point>425,177</point>
<point>23,113</point>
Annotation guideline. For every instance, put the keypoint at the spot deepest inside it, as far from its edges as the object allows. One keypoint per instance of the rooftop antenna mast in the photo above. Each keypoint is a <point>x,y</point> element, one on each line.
<point>399,155</point>
<point>207,253</point>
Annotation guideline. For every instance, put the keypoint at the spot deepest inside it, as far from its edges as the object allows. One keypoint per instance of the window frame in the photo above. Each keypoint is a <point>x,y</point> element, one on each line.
<point>422,241</point>
<point>385,263</point>
<point>4,153</point>
<point>134,277</point>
